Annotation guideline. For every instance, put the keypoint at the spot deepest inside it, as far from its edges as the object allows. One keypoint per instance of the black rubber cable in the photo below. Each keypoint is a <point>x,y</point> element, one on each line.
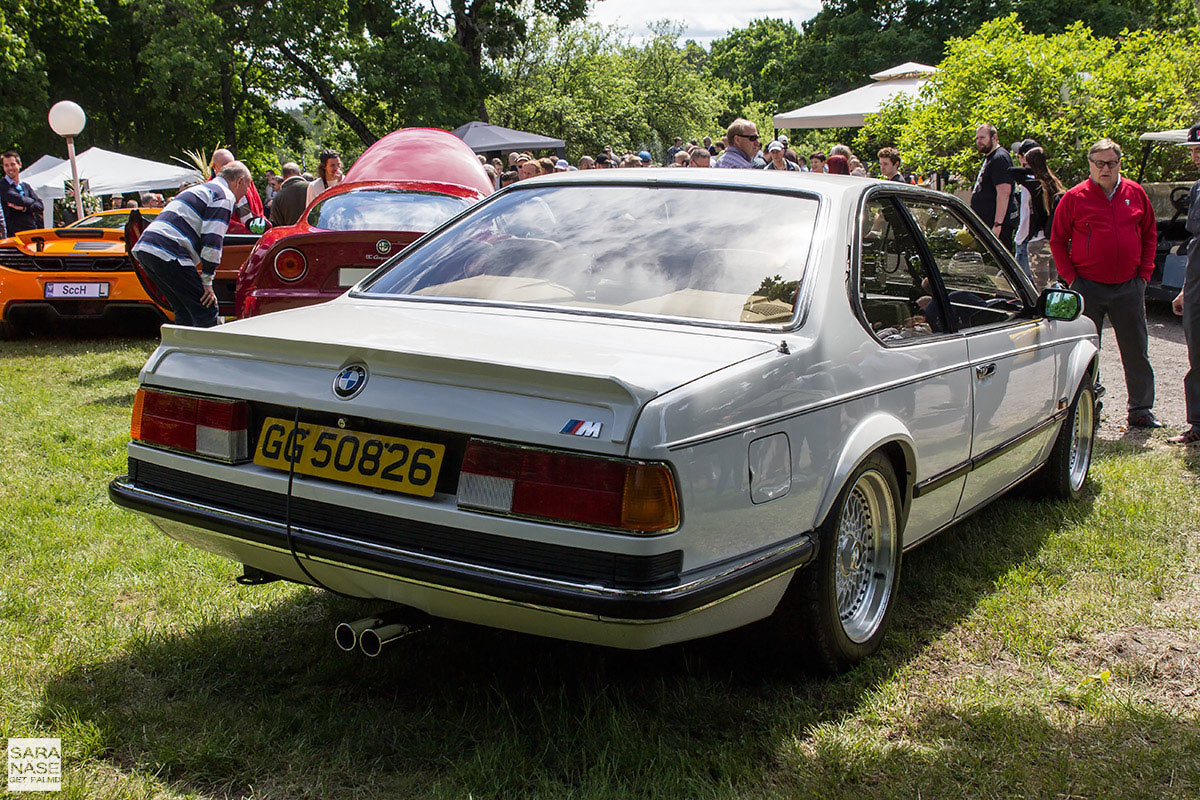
<point>287,509</point>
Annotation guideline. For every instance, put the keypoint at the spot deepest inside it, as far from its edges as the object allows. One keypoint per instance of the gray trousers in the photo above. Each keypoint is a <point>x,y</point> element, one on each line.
<point>1191,335</point>
<point>1125,306</point>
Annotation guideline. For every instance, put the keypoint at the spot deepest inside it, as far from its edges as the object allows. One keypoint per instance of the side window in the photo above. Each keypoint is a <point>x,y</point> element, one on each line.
<point>893,280</point>
<point>979,290</point>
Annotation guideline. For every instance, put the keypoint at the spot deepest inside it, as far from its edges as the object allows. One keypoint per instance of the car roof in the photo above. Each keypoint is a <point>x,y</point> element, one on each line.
<point>846,188</point>
<point>421,154</point>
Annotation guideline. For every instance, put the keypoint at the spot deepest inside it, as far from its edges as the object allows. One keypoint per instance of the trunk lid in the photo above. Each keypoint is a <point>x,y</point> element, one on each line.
<point>502,373</point>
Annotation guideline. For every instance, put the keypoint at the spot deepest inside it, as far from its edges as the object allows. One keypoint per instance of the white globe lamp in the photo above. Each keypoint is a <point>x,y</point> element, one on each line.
<point>67,120</point>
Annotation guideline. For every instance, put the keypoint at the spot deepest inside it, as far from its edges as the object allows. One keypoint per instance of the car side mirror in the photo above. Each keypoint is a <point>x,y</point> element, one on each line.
<point>1059,303</point>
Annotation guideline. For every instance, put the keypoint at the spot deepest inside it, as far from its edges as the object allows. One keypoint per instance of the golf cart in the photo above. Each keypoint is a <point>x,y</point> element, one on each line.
<point>1170,258</point>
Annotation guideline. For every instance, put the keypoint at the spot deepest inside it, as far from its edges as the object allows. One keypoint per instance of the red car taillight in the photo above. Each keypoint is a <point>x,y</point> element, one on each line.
<point>568,488</point>
<point>290,265</point>
<point>249,306</point>
<point>206,426</point>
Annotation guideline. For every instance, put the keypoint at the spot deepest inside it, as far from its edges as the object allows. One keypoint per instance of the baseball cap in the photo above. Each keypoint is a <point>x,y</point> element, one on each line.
<point>784,139</point>
<point>561,165</point>
<point>644,156</point>
<point>1193,137</point>
<point>775,145</point>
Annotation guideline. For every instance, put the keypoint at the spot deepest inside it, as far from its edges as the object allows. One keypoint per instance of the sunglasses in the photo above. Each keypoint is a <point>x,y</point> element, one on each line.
<point>751,136</point>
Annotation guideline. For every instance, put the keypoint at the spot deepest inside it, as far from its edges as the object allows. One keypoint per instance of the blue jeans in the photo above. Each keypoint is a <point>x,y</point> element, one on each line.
<point>1022,255</point>
<point>183,289</point>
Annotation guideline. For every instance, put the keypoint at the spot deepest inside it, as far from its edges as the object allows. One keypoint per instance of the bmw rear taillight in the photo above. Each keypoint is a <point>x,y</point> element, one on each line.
<point>290,264</point>
<point>567,488</point>
<point>206,426</point>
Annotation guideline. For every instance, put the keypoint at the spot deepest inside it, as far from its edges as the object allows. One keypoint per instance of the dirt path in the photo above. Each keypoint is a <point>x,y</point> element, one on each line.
<point>1168,356</point>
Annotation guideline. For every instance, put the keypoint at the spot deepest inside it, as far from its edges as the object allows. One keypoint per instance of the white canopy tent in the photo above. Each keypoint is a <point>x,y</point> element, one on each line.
<point>108,173</point>
<point>41,165</point>
<point>849,110</point>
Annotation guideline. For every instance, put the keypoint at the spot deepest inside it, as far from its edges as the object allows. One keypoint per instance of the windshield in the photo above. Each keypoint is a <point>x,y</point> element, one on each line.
<point>713,254</point>
<point>112,221</point>
<point>384,210</point>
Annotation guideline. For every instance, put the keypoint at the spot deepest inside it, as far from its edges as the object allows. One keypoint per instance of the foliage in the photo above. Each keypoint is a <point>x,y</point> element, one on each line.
<point>1065,90</point>
<point>761,58</point>
<point>848,40</point>
<point>592,87</point>
<point>776,288</point>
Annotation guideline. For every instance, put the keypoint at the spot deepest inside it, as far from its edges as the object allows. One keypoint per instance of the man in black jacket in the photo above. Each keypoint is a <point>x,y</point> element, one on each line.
<point>291,198</point>
<point>22,206</point>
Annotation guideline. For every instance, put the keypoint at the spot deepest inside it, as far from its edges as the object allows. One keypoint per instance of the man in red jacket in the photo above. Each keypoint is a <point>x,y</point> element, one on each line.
<point>1103,241</point>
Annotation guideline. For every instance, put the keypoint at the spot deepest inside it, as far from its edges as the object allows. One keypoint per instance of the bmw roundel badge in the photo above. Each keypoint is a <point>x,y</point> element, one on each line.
<point>350,381</point>
<point>383,247</point>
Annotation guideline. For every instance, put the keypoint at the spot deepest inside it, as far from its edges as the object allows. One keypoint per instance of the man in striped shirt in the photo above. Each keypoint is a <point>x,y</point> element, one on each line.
<point>187,234</point>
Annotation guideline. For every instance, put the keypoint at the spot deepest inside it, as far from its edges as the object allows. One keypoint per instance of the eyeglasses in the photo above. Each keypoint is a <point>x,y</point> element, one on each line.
<point>751,136</point>
<point>1108,164</point>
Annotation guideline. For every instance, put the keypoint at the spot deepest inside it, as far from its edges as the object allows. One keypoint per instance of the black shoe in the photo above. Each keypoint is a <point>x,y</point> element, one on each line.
<point>1144,419</point>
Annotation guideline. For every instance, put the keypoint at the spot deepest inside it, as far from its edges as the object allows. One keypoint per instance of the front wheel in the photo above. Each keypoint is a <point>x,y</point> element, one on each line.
<point>842,601</point>
<point>1066,470</point>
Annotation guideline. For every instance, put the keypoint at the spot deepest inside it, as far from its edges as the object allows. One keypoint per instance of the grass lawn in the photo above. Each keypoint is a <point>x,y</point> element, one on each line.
<point>1040,651</point>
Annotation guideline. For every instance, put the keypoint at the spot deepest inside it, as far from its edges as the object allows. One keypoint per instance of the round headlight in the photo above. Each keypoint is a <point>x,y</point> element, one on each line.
<point>290,265</point>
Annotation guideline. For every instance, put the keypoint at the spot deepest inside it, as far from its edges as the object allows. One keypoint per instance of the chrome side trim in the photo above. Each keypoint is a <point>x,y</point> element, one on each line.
<point>937,481</point>
<point>848,397</point>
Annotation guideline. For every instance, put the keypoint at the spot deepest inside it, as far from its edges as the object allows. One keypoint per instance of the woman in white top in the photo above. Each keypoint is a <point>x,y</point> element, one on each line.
<point>329,173</point>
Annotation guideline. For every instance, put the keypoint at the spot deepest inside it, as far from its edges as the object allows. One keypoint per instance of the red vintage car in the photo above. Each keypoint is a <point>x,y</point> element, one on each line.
<point>403,186</point>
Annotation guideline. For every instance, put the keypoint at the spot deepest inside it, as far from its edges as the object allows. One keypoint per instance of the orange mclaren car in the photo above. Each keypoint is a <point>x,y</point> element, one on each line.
<point>82,271</point>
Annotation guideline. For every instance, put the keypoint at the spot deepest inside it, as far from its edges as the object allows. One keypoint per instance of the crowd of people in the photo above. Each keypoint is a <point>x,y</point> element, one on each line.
<point>740,148</point>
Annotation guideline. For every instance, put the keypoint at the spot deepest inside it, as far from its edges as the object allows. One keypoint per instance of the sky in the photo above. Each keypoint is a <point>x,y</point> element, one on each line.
<point>705,19</point>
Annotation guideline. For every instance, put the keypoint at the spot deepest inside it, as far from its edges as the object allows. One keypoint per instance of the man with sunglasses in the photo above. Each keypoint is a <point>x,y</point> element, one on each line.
<point>742,136</point>
<point>1103,240</point>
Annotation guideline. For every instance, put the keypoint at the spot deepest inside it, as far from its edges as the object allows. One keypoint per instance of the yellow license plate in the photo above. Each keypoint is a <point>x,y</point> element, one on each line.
<point>366,459</point>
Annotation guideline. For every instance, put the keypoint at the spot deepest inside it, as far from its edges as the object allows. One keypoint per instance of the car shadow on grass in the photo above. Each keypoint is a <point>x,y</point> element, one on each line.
<point>115,375</point>
<point>264,704</point>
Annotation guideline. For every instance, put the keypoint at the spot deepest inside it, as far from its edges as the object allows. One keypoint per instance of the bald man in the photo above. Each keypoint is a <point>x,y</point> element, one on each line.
<point>181,248</point>
<point>251,207</point>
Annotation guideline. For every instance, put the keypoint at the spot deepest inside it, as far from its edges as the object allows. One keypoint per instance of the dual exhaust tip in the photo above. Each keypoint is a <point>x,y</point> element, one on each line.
<point>371,634</point>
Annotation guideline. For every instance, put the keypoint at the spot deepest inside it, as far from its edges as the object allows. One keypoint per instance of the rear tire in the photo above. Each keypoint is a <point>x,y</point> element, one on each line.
<point>839,606</point>
<point>1066,470</point>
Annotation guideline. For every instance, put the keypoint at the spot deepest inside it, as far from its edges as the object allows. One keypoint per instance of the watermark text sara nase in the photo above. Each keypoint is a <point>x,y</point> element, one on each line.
<point>34,765</point>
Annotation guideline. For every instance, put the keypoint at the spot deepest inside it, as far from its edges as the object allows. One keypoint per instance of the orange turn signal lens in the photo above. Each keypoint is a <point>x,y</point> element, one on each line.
<point>649,503</point>
<point>135,423</point>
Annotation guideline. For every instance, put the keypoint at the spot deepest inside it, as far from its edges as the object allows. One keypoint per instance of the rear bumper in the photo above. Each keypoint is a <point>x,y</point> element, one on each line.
<point>24,293</point>
<point>697,604</point>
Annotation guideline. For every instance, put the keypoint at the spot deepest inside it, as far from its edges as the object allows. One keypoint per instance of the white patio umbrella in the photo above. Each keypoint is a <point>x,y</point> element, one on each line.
<point>849,109</point>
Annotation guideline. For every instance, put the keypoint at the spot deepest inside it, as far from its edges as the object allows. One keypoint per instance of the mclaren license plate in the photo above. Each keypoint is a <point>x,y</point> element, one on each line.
<point>92,289</point>
<point>365,459</point>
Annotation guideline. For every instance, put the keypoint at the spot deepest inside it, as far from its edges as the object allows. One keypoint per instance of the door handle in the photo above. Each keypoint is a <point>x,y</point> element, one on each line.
<point>985,371</point>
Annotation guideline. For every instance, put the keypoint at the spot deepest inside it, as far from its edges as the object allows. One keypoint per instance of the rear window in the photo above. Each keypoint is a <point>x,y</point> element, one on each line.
<point>384,210</point>
<point>712,254</point>
<point>110,221</point>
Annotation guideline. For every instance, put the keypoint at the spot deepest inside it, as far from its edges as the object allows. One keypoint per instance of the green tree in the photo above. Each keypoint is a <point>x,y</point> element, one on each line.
<point>592,87</point>
<point>760,57</point>
<point>1065,90</point>
<point>847,40</point>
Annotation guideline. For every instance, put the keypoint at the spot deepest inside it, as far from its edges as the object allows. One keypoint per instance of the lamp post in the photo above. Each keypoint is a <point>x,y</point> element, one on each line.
<point>67,120</point>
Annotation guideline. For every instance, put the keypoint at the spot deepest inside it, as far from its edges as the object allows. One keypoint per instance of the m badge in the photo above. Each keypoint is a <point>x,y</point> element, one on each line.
<point>582,427</point>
